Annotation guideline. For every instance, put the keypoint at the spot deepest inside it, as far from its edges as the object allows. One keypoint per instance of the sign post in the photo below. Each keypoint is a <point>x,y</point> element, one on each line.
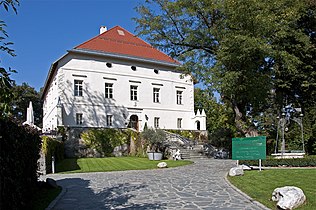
<point>249,148</point>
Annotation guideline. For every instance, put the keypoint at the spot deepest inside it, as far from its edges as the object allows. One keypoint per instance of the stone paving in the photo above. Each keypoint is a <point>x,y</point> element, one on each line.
<point>198,186</point>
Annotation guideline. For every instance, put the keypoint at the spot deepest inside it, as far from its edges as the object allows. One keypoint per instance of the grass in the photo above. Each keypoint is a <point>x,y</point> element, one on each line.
<point>43,197</point>
<point>85,165</point>
<point>260,185</point>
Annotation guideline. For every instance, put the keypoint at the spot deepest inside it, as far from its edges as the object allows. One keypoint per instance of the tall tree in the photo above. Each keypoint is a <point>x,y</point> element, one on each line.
<point>239,48</point>
<point>219,121</point>
<point>5,81</point>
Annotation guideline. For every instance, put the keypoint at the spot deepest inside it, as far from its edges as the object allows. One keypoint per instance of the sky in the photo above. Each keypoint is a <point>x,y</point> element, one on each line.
<point>43,31</point>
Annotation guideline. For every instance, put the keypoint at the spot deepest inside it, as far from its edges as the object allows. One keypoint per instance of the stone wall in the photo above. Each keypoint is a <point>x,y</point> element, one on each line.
<point>72,144</point>
<point>41,164</point>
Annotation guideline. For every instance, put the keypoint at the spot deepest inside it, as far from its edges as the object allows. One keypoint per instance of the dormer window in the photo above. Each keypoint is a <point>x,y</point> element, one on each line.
<point>133,68</point>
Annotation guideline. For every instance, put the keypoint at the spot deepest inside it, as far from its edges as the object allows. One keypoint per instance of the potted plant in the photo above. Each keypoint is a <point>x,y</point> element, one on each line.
<point>155,140</point>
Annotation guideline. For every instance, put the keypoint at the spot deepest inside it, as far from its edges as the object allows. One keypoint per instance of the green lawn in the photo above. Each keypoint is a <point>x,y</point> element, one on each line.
<point>260,185</point>
<point>83,165</point>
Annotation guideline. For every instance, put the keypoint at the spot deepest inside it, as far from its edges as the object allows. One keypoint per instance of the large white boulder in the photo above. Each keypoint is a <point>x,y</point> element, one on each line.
<point>236,171</point>
<point>162,165</point>
<point>288,197</point>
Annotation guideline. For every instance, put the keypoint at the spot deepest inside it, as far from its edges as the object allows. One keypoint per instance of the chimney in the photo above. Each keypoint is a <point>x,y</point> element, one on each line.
<point>103,29</point>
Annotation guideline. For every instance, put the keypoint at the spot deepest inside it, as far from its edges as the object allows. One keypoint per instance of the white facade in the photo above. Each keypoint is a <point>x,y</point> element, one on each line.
<point>87,89</point>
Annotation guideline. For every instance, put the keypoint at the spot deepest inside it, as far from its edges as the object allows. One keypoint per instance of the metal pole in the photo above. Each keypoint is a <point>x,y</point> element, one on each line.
<point>303,136</point>
<point>259,164</point>
<point>277,137</point>
<point>283,140</point>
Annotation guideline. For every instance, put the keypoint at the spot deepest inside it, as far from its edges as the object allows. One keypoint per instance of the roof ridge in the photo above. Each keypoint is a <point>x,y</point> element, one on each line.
<point>149,45</point>
<point>129,39</point>
<point>96,36</point>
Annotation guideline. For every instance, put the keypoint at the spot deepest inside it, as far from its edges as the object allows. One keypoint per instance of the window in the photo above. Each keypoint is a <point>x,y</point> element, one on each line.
<point>179,97</point>
<point>156,95</point>
<point>179,123</point>
<point>156,71</point>
<point>78,118</point>
<point>133,68</point>
<point>109,65</point>
<point>108,90</point>
<point>78,87</point>
<point>156,122</point>
<point>133,93</point>
<point>109,120</point>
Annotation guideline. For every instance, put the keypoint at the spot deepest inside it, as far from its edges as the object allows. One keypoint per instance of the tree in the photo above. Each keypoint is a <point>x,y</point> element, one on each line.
<point>21,96</point>
<point>5,81</point>
<point>220,119</point>
<point>242,49</point>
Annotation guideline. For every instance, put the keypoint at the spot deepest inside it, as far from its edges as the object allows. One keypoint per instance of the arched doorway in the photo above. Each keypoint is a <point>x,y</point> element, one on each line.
<point>198,125</point>
<point>133,122</point>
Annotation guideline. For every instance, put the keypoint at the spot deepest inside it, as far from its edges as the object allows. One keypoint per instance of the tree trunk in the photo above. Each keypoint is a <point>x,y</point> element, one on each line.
<point>241,125</point>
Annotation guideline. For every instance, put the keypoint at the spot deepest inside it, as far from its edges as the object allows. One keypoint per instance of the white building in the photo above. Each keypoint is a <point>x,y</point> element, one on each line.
<point>116,80</point>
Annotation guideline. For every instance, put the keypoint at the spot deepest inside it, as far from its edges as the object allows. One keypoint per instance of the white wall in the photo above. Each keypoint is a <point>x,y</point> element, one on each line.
<point>94,106</point>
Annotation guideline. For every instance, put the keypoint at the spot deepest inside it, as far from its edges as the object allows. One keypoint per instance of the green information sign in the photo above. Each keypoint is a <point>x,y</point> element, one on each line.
<point>249,148</point>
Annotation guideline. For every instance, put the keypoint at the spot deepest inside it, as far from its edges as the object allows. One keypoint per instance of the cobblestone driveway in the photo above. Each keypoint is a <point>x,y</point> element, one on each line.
<point>198,186</point>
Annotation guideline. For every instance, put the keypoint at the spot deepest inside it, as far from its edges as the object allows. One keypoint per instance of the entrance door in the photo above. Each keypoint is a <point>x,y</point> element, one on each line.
<point>133,122</point>
<point>198,125</point>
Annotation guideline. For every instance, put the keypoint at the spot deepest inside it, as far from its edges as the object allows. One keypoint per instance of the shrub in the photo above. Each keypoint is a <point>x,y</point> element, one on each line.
<point>104,140</point>
<point>308,161</point>
<point>155,139</point>
<point>19,152</point>
<point>52,147</point>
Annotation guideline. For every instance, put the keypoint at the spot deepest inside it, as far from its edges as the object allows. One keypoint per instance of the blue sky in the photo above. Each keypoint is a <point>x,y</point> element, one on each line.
<point>43,30</point>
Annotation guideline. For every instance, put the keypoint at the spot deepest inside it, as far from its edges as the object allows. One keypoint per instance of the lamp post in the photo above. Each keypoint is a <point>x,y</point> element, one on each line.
<point>301,117</point>
<point>282,130</point>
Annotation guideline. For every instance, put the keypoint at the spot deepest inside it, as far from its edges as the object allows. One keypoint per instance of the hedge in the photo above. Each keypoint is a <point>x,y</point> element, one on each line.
<point>308,161</point>
<point>19,152</point>
<point>52,147</point>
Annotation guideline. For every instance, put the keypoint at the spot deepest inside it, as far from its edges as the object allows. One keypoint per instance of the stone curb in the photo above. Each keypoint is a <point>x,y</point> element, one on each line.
<point>53,203</point>
<point>260,205</point>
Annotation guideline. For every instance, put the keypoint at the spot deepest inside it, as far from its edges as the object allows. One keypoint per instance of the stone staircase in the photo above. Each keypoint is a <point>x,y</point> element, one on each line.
<point>195,152</point>
<point>188,148</point>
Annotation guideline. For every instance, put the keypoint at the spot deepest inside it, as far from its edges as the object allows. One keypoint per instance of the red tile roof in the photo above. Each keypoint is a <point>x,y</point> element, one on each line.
<point>119,41</point>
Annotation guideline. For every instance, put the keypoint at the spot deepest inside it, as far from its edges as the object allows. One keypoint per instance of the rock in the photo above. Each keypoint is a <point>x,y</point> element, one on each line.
<point>51,182</point>
<point>288,197</point>
<point>236,171</point>
<point>245,167</point>
<point>162,165</point>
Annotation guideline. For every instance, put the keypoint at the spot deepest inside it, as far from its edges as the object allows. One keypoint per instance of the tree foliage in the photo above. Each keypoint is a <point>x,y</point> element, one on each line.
<point>242,49</point>
<point>220,119</point>
<point>5,81</point>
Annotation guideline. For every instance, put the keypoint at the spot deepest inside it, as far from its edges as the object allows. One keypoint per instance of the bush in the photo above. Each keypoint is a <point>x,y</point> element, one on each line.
<point>104,140</point>
<point>52,147</point>
<point>155,139</point>
<point>308,161</point>
<point>19,152</point>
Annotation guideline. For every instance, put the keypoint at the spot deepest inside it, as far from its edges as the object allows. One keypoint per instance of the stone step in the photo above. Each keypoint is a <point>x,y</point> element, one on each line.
<point>192,153</point>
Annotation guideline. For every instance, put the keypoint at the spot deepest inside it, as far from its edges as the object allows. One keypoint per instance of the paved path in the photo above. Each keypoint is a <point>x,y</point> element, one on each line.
<point>198,186</point>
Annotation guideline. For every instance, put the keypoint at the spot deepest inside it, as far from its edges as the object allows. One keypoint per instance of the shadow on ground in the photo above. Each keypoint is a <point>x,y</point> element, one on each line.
<point>79,195</point>
<point>69,164</point>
